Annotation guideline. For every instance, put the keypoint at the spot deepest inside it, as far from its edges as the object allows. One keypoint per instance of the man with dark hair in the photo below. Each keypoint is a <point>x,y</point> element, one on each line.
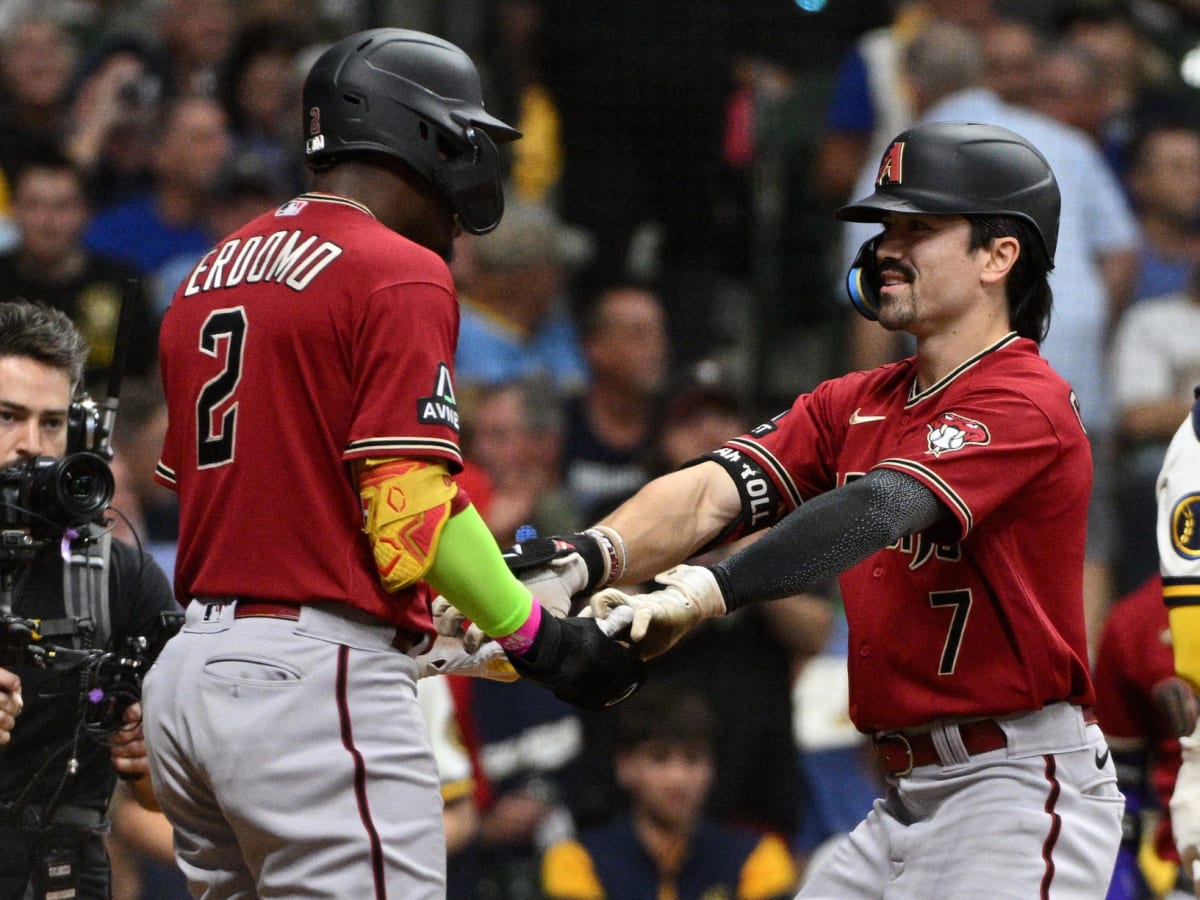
<point>51,265</point>
<point>949,492</point>
<point>664,846</point>
<point>57,773</point>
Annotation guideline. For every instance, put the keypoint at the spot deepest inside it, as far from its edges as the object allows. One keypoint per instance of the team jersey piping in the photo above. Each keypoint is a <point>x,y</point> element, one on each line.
<point>332,198</point>
<point>383,445</point>
<point>907,465</point>
<point>769,460</point>
<point>915,397</point>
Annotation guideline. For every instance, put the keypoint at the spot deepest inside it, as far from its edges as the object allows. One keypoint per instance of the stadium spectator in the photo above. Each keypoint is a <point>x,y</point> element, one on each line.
<point>37,61</point>
<point>612,428</point>
<point>117,102</point>
<point>37,58</point>
<point>1164,187</point>
<point>870,100</point>
<point>195,38</point>
<point>665,846</point>
<point>1155,365</point>
<point>247,185</point>
<point>514,431</point>
<point>257,87</point>
<point>1011,51</point>
<point>517,320</point>
<point>148,229</point>
<point>50,264</point>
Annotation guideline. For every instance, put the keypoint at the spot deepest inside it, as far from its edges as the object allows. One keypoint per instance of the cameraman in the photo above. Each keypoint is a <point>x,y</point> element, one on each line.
<point>56,775</point>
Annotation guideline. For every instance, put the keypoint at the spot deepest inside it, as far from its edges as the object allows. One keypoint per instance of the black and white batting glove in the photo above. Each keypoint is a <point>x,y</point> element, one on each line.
<point>449,656</point>
<point>689,594</point>
<point>580,663</point>
<point>559,568</point>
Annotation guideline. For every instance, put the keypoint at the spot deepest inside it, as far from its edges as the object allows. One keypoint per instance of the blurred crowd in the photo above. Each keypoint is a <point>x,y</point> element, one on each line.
<point>667,275</point>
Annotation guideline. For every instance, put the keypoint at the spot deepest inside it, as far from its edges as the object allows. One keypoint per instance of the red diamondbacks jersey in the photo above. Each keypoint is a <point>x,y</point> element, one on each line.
<point>311,337</point>
<point>987,620</point>
<point>1134,655</point>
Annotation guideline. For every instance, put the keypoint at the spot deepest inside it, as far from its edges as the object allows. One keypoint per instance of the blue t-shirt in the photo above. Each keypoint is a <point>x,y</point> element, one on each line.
<point>490,352</point>
<point>134,232</point>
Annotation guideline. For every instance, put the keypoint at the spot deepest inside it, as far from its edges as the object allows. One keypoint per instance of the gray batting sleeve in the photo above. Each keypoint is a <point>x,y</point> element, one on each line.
<point>827,535</point>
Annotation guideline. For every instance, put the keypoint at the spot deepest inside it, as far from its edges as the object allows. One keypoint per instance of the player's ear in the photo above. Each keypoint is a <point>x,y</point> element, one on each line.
<point>863,280</point>
<point>1002,256</point>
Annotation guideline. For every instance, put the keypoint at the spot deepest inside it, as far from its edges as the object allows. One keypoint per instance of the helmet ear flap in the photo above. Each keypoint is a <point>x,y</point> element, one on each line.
<point>863,280</point>
<point>473,182</point>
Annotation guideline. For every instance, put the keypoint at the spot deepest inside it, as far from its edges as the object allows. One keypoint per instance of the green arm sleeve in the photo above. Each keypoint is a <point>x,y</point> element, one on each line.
<point>469,571</point>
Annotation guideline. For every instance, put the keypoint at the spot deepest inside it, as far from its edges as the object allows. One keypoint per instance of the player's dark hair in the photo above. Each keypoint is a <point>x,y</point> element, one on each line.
<point>1028,288</point>
<point>664,713</point>
<point>45,334</point>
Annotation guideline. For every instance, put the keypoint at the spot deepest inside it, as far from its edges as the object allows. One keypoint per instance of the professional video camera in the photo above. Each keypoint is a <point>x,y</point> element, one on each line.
<point>43,498</point>
<point>110,680</point>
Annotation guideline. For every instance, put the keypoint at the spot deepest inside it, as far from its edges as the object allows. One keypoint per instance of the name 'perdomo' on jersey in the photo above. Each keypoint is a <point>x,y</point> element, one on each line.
<point>279,257</point>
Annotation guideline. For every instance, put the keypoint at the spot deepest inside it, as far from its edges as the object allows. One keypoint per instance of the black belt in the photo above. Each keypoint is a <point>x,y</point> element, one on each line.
<point>274,609</point>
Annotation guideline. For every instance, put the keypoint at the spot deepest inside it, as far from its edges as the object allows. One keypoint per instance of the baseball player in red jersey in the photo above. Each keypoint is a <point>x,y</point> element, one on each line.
<point>1142,708</point>
<point>313,434</point>
<point>1178,534</point>
<point>950,490</point>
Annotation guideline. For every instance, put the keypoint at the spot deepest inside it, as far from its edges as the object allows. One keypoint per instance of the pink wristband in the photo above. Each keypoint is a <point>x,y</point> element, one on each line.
<point>521,640</point>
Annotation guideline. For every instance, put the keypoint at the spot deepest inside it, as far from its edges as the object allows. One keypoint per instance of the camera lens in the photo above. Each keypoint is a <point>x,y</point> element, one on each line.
<point>84,486</point>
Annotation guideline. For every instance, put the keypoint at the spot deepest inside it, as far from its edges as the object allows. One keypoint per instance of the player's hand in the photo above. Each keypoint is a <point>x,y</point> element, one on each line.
<point>558,568</point>
<point>1185,806</point>
<point>11,703</point>
<point>580,663</point>
<point>1176,702</point>
<point>689,595</point>
<point>127,746</point>
<point>449,656</point>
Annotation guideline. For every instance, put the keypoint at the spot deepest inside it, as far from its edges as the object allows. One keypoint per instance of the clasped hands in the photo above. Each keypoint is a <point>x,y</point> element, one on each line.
<point>651,622</point>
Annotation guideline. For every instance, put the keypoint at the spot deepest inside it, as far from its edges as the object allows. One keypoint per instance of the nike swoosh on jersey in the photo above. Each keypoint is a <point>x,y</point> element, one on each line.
<point>1102,759</point>
<point>856,419</point>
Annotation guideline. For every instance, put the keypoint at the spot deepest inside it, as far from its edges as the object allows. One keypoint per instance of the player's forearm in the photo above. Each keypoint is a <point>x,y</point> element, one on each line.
<point>672,517</point>
<point>470,573</point>
<point>828,535</point>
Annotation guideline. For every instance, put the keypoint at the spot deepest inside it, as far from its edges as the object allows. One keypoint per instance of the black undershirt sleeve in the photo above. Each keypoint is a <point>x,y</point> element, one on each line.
<point>827,535</point>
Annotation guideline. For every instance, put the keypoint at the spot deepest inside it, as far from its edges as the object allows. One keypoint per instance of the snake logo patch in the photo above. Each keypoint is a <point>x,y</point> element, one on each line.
<point>1185,527</point>
<point>950,431</point>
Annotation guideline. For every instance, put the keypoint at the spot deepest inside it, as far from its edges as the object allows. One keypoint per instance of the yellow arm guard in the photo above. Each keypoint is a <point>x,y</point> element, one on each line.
<point>1185,637</point>
<point>405,505</point>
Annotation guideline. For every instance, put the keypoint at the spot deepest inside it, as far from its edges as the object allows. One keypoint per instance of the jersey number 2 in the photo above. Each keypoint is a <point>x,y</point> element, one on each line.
<point>223,337</point>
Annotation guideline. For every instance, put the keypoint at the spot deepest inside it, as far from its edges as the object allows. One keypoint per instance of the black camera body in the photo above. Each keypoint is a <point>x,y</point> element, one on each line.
<point>43,498</point>
<point>109,680</point>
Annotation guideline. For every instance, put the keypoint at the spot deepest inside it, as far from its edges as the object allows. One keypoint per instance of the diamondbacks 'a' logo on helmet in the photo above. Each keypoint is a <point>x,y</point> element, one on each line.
<point>891,167</point>
<point>950,432</point>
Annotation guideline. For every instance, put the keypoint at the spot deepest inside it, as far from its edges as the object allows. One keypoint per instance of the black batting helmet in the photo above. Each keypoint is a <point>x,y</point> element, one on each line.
<point>967,169</point>
<point>417,98</point>
<point>956,168</point>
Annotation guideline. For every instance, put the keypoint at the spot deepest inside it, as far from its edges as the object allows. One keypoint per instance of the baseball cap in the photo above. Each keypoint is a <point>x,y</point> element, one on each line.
<point>532,234</point>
